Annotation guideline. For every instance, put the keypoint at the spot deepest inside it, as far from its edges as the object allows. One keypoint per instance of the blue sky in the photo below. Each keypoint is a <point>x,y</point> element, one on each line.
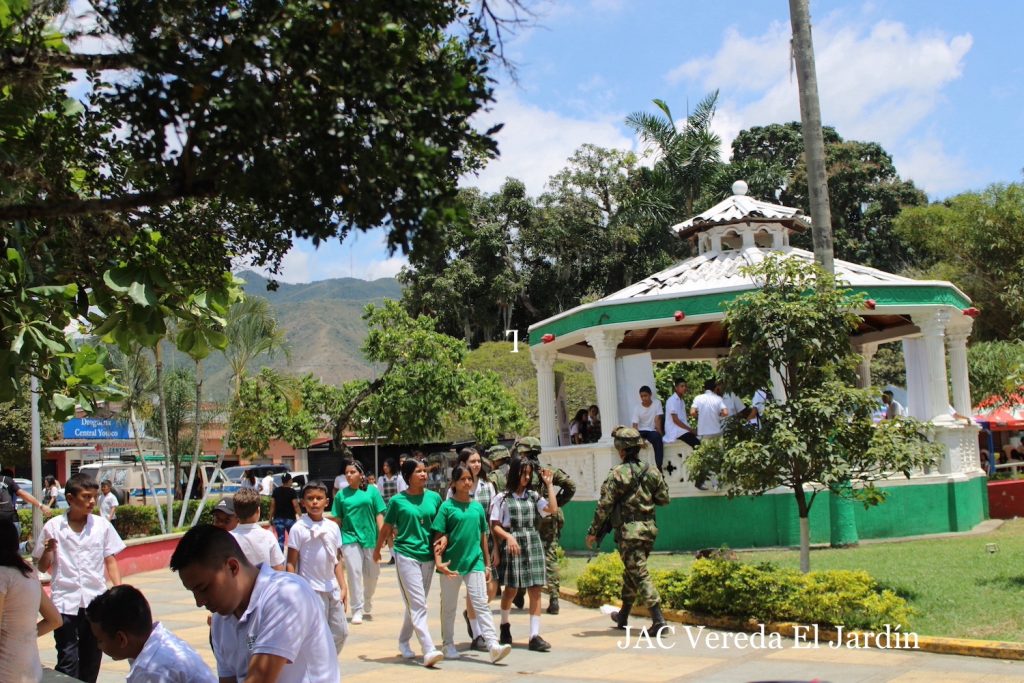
<point>939,84</point>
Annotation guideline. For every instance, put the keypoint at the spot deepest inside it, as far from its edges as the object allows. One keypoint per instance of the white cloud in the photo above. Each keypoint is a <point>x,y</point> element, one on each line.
<point>877,82</point>
<point>535,143</point>
<point>926,161</point>
<point>388,267</point>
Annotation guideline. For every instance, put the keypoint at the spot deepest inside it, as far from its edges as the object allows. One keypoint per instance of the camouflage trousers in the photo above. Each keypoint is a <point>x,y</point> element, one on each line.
<point>550,529</point>
<point>637,584</point>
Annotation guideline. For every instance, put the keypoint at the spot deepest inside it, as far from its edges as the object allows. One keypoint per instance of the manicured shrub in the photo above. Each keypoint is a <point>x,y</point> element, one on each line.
<point>724,587</point>
<point>137,520</point>
<point>25,517</point>
<point>601,581</point>
<point>850,598</point>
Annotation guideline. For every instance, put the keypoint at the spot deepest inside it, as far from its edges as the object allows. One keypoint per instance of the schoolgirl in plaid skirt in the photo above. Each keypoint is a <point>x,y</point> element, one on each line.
<point>515,513</point>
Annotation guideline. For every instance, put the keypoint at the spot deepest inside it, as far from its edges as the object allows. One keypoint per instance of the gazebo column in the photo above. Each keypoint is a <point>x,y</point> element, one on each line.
<point>867,352</point>
<point>933,330</point>
<point>544,363</point>
<point>605,344</point>
<point>956,340</point>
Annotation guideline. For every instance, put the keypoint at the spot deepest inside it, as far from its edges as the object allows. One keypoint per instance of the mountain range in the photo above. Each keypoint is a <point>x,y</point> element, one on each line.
<point>323,324</point>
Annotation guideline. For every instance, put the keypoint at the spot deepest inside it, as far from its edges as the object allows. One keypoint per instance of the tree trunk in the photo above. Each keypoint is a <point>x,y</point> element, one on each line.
<point>805,544</point>
<point>145,471</point>
<point>814,142</point>
<point>196,449</point>
<point>158,364</point>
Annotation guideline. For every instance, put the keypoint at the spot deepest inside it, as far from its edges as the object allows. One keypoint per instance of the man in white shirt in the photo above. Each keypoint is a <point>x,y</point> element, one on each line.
<point>259,544</point>
<point>123,625</point>
<point>893,408</point>
<point>77,549</point>
<point>647,420</point>
<point>267,626</point>
<point>108,501</point>
<point>676,426</point>
<point>267,485</point>
<point>709,409</point>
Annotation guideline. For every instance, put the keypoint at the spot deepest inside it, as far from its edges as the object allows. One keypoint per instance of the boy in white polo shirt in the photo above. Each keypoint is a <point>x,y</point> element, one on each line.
<point>123,625</point>
<point>259,544</point>
<point>314,553</point>
<point>268,626</point>
<point>77,549</point>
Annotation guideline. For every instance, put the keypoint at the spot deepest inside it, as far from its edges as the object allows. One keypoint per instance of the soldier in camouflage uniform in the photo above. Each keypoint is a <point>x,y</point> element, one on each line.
<point>628,498</point>
<point>550,527</point>
<point>498,457</point>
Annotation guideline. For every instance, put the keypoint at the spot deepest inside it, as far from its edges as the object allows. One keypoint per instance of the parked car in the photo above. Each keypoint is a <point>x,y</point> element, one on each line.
<point>299,479</point>
<point>26,484</point>
<point>128,482</point>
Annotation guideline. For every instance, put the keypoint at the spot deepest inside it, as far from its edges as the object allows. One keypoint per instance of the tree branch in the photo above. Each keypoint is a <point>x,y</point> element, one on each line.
<point>69,60</point>
<point>61,208</point>
<point>346,413</point>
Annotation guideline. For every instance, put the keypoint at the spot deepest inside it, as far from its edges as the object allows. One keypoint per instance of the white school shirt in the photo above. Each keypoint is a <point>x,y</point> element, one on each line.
<point>166,658</point>
<point>499,508</point>
<point>318,544</point>
<point>709,406</point>
<point>284,618</point>
<point>267,485</point>
<point>675,405</point>
<point>341,482</point>
<point>398,479</point>
<point>108,503</point>
<point>733,403</point>
<point>258,544</point>
<point>78,571</point>
<point>643,417</point>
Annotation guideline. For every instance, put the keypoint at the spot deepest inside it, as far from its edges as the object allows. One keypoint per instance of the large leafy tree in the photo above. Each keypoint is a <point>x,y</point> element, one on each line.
<point>974,240</point>
<point>16,431</point>
<point>865,190</point>
<point>222,130</point>
<point>818,435</point>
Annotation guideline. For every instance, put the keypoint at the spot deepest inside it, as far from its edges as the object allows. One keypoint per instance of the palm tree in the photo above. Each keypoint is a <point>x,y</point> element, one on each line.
<point>136,376</point>
<point>252,331</point>
<point>688,156</point>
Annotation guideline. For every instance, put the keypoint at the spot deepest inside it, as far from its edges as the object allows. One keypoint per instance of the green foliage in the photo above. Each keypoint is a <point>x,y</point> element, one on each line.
<point>992,367</point>
<point>489,408</point>
<point>137,520</point>
<point>762,591</point>
<point>16,431</point>
<point>693,373</point>
<point>887,366</point>
<point>601,581</point>
<point>275,406</point>
<point>973,239</point>
<point>25,517</point>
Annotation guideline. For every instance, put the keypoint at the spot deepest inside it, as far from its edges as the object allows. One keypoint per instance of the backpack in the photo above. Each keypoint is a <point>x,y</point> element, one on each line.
<point>8,513</point>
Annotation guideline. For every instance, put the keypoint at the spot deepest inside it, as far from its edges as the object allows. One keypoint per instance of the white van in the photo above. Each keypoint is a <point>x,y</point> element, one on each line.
<point>128,483</point>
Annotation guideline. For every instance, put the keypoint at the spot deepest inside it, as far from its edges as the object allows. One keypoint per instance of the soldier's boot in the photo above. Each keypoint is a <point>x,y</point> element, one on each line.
<point>553,604</point>
<point>621,617</point>
<point>657,619</point>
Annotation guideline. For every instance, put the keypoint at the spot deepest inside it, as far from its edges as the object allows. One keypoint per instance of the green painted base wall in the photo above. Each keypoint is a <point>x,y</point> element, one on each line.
<point>771,520</point>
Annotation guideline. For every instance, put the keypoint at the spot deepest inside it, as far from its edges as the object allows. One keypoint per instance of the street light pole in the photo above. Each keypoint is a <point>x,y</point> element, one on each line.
<point>36,458</point>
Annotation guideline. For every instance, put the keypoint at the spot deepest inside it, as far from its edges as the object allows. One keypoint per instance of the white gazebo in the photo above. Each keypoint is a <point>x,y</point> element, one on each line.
<point>677,314</point>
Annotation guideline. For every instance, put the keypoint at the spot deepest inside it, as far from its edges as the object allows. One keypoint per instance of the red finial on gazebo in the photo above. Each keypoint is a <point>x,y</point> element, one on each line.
<point>548,338</point>
<point>679,315</point>
<point>972,312</point>
<point>870,303</point>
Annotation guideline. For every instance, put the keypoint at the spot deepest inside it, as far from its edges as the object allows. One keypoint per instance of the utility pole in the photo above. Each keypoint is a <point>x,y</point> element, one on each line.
<point>814,142</point>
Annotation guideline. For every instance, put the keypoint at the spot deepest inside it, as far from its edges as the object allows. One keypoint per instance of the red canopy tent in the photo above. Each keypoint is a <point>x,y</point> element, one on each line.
<point>1001,413</point>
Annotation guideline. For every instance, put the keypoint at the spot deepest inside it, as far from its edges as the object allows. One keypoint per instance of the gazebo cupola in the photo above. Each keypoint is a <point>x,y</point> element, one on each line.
<point>742,222</point>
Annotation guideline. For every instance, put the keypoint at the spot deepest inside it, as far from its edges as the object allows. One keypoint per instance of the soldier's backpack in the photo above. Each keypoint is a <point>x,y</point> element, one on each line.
<point>8,512</point>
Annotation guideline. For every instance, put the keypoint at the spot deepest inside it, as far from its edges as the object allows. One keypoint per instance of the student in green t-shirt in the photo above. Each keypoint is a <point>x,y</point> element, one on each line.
<point>462,524</point>
<point>408,519</point>
<point>359,510</point>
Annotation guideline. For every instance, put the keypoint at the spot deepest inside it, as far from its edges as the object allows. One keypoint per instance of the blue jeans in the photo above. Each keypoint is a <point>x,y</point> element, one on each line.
<point>281,526</point>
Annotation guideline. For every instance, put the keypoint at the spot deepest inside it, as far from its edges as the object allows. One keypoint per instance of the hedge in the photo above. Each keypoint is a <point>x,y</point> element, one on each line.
<point>764,591</point>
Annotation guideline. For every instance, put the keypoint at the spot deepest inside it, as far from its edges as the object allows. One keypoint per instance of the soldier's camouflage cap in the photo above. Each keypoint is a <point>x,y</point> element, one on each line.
<point>626,437</point>
<point>498,453</point>
<point>528,445</point>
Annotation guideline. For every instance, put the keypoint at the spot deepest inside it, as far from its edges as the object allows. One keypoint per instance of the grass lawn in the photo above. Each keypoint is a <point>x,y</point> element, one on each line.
<point>956,586</point>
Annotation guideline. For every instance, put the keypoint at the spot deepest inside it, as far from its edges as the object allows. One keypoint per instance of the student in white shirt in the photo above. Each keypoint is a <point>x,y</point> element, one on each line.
<point>122,623</point>
<point>647,420</point>
<point>314,553</point>
<point>709,409</point>
<point>676,426</point>
<point>259,544</point>
<point>108,501</point>
<point>267,626</point>
<point>267,485</point>
<point>77,549</point>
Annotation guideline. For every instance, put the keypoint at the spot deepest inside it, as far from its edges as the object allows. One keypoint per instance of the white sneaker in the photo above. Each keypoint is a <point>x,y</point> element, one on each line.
<point>432,658</point>
<point>357,617</point>
<point>451,652</point>
<point>406,651</point>
<point>499,652</point>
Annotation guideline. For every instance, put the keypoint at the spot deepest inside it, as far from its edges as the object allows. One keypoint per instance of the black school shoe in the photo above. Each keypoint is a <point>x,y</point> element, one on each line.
<point>538,644</point>
<point>506,634</point>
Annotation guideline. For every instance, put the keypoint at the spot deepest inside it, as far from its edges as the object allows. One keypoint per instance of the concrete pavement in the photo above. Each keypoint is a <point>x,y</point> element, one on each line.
<point>583,649</point>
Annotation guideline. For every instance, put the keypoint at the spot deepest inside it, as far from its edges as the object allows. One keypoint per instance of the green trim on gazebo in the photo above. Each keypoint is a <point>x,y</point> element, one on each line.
<point>705,304</point>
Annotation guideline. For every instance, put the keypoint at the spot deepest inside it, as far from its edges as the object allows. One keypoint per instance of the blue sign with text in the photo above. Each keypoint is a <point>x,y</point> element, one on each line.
<point>96,428</point>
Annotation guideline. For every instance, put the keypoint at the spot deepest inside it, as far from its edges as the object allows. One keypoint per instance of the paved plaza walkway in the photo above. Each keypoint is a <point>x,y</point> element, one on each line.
<point>583,649</point>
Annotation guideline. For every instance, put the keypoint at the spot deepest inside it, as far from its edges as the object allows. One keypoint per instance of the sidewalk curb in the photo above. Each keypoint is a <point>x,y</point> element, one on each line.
<point>993,649</point>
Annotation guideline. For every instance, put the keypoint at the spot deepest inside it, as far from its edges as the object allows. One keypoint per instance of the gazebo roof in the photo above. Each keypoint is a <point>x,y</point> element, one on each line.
<point>678,312</point>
